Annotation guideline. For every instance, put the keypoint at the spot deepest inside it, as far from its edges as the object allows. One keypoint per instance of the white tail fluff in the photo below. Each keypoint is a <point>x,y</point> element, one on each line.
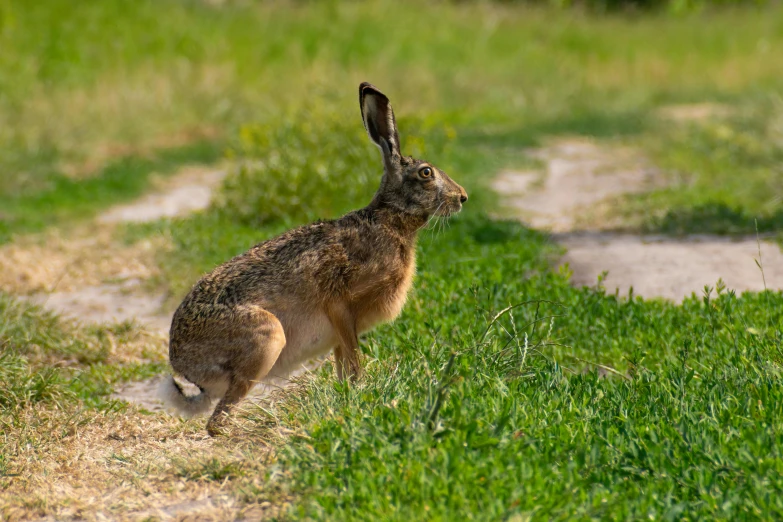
<point>171,393</point>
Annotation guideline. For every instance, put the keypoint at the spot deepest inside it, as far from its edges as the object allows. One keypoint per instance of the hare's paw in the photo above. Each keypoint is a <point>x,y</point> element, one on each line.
<point>216,425</point>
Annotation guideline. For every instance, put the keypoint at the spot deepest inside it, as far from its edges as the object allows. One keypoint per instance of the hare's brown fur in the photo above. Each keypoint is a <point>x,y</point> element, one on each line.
<point>314,288</point>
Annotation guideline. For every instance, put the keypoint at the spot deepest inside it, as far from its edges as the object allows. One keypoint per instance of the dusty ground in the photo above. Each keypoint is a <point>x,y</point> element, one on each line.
<point>572,197</point>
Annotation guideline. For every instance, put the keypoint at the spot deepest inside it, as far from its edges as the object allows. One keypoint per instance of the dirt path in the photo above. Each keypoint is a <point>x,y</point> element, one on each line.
<point>190,191</point>
<point>126,465</point>
<point>571,197</point>
<point>88,275</point>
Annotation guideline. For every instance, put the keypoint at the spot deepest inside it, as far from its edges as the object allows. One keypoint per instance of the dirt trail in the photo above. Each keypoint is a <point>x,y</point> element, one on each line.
<point>87,275</point>
<point>188,192</point>
<point>580,182</point>
<point>109,303</point>
<point>126,465</point>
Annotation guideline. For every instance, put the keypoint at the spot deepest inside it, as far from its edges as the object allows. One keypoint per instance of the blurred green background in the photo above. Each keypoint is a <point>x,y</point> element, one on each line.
<point>93,96</point>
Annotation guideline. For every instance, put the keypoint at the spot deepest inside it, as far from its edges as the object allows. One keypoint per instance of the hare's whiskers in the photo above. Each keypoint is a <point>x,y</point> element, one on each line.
<point>434,216</point>
<point>435,226</point>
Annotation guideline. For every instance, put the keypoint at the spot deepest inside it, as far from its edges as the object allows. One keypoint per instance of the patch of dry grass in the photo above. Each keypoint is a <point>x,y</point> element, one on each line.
<point>64,260</point>
<point>127,465</point>
<point>61,459</point>
<point>694,112</point>
<point>104,151</point>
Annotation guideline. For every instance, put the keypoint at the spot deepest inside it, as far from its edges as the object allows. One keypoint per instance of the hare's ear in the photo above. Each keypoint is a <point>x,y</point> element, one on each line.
<point>378,118</point>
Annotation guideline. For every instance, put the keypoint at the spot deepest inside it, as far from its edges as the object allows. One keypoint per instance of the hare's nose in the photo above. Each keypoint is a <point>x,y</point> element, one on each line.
<point>463,198</point>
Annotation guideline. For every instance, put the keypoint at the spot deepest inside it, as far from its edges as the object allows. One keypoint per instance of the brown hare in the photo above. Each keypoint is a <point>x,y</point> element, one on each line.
<point>312,289</point>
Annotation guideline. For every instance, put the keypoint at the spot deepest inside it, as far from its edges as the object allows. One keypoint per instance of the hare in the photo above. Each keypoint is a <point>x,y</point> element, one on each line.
<point>312,289</point>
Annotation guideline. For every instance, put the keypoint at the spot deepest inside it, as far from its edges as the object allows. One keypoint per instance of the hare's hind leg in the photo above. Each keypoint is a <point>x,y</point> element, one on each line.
<point>256,339</point>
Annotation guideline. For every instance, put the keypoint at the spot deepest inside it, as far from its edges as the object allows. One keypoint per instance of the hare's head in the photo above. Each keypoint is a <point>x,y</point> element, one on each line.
<point>409,185</point>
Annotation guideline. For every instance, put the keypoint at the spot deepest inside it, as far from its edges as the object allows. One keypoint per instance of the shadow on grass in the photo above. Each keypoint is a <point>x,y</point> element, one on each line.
<point>66,198</point>
<point>714,218</point>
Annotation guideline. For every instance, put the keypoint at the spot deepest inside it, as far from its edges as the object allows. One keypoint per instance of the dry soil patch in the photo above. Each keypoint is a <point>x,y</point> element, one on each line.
<point>570,197</point>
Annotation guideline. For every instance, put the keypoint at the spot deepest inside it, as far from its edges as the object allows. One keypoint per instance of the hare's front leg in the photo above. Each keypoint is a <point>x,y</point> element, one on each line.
<point>256,342</point>
<point>346,351</point>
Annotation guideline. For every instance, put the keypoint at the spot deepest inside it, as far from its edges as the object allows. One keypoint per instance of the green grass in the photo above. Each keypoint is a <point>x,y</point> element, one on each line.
<point>43,359</point>
<point>455,420</point>
<point>724,173</point>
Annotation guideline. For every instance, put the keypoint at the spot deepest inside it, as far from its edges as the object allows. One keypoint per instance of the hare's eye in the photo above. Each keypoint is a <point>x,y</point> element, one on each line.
<point>425,172</point>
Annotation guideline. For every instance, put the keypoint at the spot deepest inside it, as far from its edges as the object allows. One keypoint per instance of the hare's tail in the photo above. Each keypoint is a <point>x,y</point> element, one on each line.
<point>172,394</point>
